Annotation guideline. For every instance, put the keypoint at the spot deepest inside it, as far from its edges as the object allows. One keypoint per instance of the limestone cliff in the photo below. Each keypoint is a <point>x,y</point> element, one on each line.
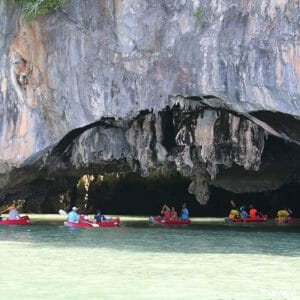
<point>193,86</point>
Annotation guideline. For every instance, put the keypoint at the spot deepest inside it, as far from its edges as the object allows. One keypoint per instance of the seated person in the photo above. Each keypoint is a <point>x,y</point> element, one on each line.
<point>283,215</point>
<point>243,213</point>
<point>253,212</point>
<point>99,217</point>
<point>166,212</point>
<point>234,214</point>
<point>73,216</point>
<point>83,217</point>
<point>13,213</point>
<point>174,215</point>
<point>184,212</point>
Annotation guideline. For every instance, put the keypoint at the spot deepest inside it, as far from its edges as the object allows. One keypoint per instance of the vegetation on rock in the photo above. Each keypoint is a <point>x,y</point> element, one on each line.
<point>31,8</point>
<point>199,13</point>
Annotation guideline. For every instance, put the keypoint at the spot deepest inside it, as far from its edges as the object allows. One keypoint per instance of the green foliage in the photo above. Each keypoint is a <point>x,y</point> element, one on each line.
<point>199,13</point>
<point>31,8</point>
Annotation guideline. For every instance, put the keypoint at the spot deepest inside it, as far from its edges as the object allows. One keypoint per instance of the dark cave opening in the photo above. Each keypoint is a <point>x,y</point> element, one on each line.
<point>275,185</point>
<point>168,140</point>
<point>134,195</point>
<point>268,202</point>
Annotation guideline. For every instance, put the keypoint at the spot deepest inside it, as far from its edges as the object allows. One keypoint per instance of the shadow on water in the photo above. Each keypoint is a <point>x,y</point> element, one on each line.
<point>215,238</point>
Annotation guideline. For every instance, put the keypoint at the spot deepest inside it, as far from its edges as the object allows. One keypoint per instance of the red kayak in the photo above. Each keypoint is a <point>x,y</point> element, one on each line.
<point>79,224</point>
<point>288,221</point>
<point>159,220</point>
<point>248,220</point>
<point>22,221</point>
<point>107,223</point>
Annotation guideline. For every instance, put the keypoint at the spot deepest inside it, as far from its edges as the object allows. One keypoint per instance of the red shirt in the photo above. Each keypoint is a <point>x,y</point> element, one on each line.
<point>253,212</point>
<point>167,214</point>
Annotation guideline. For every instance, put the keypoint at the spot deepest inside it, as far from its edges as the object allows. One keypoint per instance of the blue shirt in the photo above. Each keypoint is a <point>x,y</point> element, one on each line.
<point>13,214</point>
<point>184,214</point>
<point>73,216</point>
<point>244,214</point>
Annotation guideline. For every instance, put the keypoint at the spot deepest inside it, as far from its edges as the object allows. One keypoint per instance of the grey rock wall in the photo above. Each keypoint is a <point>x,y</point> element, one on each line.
<point>115,58</point>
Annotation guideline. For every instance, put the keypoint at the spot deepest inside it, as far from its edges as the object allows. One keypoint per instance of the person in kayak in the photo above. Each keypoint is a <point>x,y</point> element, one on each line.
<point>73,216</point>
<point>13,213</point>
<point>174,215</point>
<point>184,212</point>
<point>253,212</point>
<point>243,213</point>
<point>234,214</point>
<point>99,217</point>
<point>284,215</point>
<point>166,212</point>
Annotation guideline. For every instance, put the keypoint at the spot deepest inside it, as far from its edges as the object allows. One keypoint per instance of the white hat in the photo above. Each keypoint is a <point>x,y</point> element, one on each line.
<point>74,208</point>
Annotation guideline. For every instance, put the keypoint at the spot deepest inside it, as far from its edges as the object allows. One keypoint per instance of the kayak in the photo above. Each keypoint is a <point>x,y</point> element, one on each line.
<point>107,223</point>
<point>22,221</point>
<point>159,220</point>
<point>248,220</point>
<point>79,224</point>
<point>288,221</point>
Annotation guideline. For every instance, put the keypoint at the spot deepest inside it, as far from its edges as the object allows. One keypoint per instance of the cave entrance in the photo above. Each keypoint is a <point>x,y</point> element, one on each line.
<point>135,195</point>
<point>268,202</point>
<point>132,194</point>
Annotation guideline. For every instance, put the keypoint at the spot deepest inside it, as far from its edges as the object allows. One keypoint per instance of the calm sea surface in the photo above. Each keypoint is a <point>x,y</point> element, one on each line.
<point>136,261</point>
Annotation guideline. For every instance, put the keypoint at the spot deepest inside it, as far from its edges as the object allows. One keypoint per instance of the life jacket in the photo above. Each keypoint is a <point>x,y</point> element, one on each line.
<point>233,214</point>
<point>282,215</point>
<point>253,213</point>
<point>167,214</point>
<point>174,215</point>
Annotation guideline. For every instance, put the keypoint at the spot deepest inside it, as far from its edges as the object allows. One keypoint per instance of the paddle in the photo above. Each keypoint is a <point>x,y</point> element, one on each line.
<point>64,213</point>
<point>233,204</point>
<point>7,208</point>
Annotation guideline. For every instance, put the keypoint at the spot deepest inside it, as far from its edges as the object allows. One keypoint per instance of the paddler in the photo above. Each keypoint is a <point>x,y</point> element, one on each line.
<point>166,212</point>
<point>283,215</point>
<point>73,216</point>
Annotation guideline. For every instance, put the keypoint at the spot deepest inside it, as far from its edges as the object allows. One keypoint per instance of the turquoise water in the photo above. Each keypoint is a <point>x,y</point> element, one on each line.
<point>136,261</point>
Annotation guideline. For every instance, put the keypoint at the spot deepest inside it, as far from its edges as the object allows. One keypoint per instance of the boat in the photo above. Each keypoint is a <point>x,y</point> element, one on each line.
<point>22,221</point>
<point>107,223</point>
<point>288,221</point>
<point>161,221</point>
<point>80,224</point>
<point>263,218</point>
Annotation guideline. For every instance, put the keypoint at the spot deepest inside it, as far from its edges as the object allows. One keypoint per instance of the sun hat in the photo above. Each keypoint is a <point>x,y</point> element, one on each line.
<point>74,208</point>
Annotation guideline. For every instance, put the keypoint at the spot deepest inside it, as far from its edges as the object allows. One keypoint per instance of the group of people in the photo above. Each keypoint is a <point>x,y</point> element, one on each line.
<point>283,215</point>
<point>74,216</point>
<point>168,213</point>
<point>243,213</point>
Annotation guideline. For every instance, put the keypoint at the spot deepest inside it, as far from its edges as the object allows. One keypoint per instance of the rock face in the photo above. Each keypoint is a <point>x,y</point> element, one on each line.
<point>189,86</point>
